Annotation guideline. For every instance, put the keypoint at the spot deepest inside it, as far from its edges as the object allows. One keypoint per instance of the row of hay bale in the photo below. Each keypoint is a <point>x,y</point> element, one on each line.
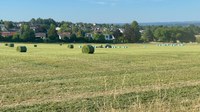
<point>10,44</point>
<point>18,48</point>
<point>88,49</point>
<point>107,46</point>
<point>170,44</point>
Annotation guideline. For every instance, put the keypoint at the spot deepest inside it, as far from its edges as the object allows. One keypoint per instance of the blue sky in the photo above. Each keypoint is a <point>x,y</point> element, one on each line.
<point>101,11</point>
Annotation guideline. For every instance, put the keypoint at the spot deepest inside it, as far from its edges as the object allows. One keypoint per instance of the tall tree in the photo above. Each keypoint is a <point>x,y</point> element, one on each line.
<point>132,32</point>
<point>16,37</point>
<point>73,38</point>
<point>52,33</point>
<point>118,36</point>
<point>1,22</point>
<point>8,24</point>
<point>99,37</point>
<point>147,35</point>
<point>136,28</point>
<point>65,28</point>
<point>26,34</point>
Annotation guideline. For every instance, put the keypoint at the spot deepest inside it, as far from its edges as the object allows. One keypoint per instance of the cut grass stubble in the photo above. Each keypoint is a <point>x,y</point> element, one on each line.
<point>54,78</point>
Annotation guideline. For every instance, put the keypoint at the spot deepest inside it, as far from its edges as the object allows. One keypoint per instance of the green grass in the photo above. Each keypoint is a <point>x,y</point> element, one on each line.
<point>140,78</point>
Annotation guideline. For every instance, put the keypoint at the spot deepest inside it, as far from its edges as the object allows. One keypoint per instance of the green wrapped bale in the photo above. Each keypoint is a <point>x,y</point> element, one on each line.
<point>6,44</point>
<point>70,46</point>
<point>11,45</point>
<point>108,46</point>
<point>88,49</point>
<point>21,49</point>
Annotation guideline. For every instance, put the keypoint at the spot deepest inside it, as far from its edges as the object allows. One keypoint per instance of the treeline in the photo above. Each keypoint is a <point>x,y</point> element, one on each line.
<point>77,32</point>
<point>170,34</point>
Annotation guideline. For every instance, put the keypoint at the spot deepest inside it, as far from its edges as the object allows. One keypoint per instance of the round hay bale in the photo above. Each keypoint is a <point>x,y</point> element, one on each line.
<point>101,46</point>
<point>71,46</point>
<point>88,49</point>
<point>108,46</point>
<point>6,44</point>
<point>11,45</point>
<point>21,49</point>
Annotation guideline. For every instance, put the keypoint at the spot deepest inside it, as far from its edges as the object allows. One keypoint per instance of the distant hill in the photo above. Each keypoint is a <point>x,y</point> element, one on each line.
<point>187,23</point>
<point>197,23</point>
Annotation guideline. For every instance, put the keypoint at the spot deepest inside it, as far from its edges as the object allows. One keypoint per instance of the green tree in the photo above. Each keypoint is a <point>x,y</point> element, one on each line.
<point>8,24</point>
<point>52,33</point>
<point>117,34</point>
<point>65,28</point>
<point>73,38</point>
<point>99,37</point>
<point>132,32</point>
<point>26,34</point>
<point>16,37</point>
<point>161,34</point>
<point>136,28</point>
<point>147,35</point>
<point>75,29</point>
<point>1,22</point>
<point>129,34</point>
<point>80,34</point>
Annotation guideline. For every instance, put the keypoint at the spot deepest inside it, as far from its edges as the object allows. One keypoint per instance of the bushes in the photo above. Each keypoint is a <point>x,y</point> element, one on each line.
<point>11,45</point>
<point>6,44</point>
<point>71,46</point>
<point>21,49</point>
<point>88,49</point>
<point>35,45</point>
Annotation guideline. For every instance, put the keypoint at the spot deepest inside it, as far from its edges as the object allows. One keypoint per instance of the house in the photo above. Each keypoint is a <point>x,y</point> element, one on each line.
<point>41,35</point>
<point>89,35</point>
<point>98,30</point>
<point>141,31</point>
<point>3,28</point>
<point>109,37</point>
<point>63,35</point>
<point>33,28</point>
<point>58,28</point>
<point>121,30</point>
<point>7,33</point>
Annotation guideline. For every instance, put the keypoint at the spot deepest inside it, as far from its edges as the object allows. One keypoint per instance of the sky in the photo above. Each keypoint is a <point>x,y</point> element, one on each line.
<point>102,11</point>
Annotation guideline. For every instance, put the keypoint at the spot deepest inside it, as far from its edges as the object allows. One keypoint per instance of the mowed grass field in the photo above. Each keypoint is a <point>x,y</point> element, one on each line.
<point>143,77</point>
